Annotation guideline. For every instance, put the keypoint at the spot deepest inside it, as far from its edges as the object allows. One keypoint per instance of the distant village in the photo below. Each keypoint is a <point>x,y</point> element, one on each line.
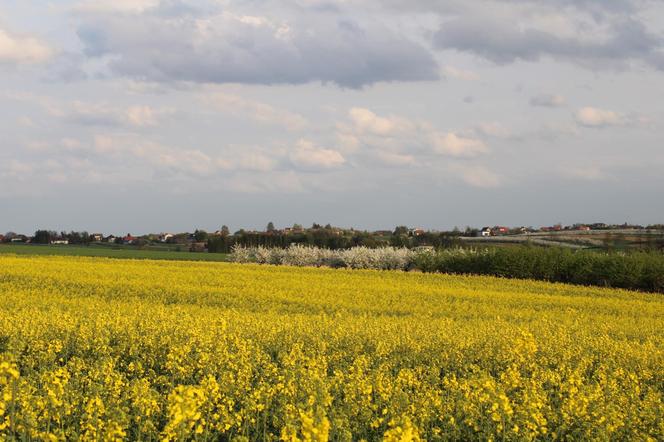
<point>200,240</point>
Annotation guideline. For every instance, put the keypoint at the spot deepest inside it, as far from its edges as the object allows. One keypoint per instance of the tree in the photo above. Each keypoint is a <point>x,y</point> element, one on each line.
<point>401,230</point>
<point>225,231</point>
<point>270,227</point>
<point>42,237</point>
<point>200,235</point>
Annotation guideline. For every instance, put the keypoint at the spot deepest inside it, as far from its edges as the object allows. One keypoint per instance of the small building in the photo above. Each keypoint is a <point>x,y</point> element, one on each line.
<point>165,237</point>
<point>129,239</point>
<point>60,242</point>
<point>486,231</point>
<point>97,237</point>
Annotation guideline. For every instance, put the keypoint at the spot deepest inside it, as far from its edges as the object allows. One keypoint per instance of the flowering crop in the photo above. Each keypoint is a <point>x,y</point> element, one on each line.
<point>384,258</point>
<point>99,349</point>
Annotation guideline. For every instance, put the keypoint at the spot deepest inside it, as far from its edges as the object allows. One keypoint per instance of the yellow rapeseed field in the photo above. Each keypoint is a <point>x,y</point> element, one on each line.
<point>97,349</point>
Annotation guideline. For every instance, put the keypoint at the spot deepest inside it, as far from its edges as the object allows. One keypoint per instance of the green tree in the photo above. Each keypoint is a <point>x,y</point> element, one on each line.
<point>270,227</point>
<point>42,237</point>
<point>401,230</point>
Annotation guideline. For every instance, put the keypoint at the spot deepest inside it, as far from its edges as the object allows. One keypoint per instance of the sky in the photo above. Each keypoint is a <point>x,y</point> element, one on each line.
<point>170,115</point>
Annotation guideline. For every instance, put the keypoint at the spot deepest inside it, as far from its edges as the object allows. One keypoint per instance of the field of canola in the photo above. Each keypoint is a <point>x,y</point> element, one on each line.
<point>100,349</point>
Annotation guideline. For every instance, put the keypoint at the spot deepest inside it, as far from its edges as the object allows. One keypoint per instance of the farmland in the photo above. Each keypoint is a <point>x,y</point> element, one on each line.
<point>610,239</point>
<point>109,251</point>
<point>103,349</point>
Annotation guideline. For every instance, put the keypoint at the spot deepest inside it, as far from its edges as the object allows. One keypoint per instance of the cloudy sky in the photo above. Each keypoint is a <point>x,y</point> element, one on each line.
<point>153,115</point>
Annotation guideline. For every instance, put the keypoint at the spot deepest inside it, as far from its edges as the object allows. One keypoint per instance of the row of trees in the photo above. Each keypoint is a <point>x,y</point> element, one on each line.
<point>331,238</point>
<point>47,236</point>
<point>637,271</point>
<point>222,241</point>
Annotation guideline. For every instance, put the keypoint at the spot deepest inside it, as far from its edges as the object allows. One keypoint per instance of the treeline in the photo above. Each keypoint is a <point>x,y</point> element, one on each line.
<point>636,270</point>
<point>334,239</point>
<point>46,236</point>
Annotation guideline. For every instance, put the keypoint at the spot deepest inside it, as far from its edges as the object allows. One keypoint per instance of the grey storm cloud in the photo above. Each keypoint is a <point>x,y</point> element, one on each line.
<point>227,47</point>
<point>505,43</point>
<point>590,33</point>
<point>597,7</point>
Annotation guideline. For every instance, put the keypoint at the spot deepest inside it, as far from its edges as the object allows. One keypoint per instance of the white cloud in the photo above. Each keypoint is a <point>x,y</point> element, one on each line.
<point>66,146</point>
<point>141,116</point>
<point>401,136</point>
<point>366,121</point>
<point>127,150</point>
<point>348,142</point>
<point>71,144</point>
<point>592,34</point>
<point>307,155</point>
<point>17,169</point>
<point>459,74</point>
<point>16,49</point>
<point>103,114</point>
<point>115,5</point>
<point>594,117</point>
<point>457,146</point>
<point>251,161</point>
<point>217,43</point>
<point>257,111</point>
<point>232,159</point>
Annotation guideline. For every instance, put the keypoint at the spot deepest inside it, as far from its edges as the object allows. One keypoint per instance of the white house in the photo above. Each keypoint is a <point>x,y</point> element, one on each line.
<point>164,237</point>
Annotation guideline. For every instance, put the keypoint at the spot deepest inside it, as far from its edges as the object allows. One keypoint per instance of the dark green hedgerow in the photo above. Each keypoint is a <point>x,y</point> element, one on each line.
<point>637,271</point>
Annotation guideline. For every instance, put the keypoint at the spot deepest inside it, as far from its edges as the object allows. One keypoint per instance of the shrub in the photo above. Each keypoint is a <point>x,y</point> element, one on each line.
<point>387,258</point>
<point>639,271</point>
